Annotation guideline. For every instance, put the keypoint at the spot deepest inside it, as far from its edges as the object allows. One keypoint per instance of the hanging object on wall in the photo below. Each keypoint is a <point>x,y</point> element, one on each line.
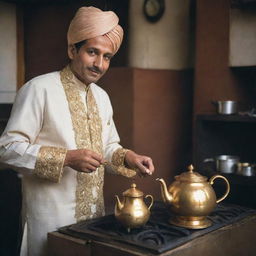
<point>153,9</point>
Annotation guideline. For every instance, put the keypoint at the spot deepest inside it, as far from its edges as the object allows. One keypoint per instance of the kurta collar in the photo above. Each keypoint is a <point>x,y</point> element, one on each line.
<point>79,84</point>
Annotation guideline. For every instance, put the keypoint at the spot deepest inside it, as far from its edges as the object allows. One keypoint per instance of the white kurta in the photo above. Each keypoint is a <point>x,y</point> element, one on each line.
<point>41,118</point>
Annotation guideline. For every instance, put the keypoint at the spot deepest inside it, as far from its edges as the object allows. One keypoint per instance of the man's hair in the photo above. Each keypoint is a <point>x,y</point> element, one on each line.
<point>79,45</point>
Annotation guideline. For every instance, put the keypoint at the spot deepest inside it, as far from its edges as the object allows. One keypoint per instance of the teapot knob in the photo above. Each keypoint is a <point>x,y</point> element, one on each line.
<point>191,168</point>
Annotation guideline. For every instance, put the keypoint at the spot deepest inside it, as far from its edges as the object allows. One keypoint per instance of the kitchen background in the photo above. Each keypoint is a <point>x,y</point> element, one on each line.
<point>162,83</point>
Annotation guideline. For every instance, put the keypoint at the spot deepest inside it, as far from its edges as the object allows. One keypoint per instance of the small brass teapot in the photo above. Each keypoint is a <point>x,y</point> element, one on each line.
<point>132,212</point>
<point>191,199</point>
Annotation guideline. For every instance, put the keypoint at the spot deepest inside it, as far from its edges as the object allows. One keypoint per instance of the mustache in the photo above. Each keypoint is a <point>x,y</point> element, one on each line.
<point>96,69</point>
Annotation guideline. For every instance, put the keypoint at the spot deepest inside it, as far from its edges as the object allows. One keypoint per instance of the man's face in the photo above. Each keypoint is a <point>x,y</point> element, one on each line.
<point>92,60</point>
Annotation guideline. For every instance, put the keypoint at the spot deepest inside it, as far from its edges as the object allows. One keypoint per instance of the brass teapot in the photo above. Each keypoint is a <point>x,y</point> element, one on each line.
<point>132,212</point>
<point>191,199</point>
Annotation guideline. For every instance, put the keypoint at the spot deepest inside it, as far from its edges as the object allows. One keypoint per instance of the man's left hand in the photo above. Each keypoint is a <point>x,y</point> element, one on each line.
<point>142,164</point>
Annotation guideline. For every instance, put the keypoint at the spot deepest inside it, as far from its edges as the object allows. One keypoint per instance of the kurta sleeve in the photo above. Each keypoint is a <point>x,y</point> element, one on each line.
<point>119,163</point>
<point>18,147</point>
<point>113,151</point>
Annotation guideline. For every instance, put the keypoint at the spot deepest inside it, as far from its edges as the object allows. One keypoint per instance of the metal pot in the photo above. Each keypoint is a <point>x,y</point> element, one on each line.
<point>225,163</point>
<point>246,169</point>
<point>226,107</point>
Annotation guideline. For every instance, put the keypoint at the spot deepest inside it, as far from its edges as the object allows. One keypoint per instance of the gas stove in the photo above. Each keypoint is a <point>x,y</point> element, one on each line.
<point>157,236</point>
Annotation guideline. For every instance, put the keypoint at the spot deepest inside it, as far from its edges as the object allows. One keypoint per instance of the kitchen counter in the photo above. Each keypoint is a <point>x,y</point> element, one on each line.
<point>233,239</point>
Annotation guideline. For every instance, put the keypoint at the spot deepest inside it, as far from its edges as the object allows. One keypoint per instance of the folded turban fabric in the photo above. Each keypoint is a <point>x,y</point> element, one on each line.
<point>90,22</point>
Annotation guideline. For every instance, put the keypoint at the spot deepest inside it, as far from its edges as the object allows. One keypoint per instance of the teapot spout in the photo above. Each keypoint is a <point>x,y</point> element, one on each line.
<point>119,205</point>
<point>166,196</point>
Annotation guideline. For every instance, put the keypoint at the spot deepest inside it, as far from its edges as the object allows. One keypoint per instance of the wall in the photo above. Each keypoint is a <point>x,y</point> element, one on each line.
<point>152,99</point>
<point>214,79</point>
<point>152,111</point>
<point>166,44</point>
<point>45,28</point>
<point>8,52</point>
<point>242,37</point>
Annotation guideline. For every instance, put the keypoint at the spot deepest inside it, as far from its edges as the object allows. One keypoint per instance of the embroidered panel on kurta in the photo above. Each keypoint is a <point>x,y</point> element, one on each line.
<point>87,128</point>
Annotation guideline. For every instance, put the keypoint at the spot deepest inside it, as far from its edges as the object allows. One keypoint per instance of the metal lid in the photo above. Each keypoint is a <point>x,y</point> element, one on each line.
<point>133,191</point>
<point>191,176</point>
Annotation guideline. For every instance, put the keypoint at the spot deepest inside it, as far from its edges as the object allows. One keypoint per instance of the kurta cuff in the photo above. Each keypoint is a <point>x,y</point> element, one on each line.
<point>118,163</point>
<point>49,163</point>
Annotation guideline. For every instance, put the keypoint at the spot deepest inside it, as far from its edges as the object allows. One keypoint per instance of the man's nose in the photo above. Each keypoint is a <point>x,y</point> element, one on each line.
<point>98,62</point>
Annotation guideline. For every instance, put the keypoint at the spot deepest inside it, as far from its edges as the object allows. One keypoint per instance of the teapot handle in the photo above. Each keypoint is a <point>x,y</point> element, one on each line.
<point>227,183</point>
<point>152,200</point>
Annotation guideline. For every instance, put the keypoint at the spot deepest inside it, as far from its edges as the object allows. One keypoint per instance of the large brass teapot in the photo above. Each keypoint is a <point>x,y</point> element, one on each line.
<point>191,199</point>
<point>131,211</point>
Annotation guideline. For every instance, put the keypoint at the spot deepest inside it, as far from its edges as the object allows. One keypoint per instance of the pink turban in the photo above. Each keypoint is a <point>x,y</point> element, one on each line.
<point>90,22</point>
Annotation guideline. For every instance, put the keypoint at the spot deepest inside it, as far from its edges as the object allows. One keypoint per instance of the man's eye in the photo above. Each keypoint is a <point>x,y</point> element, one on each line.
<point>108,58</point>
<point>91,52</point>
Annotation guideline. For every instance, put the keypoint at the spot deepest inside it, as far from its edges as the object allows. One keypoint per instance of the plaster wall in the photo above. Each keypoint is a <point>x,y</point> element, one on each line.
<point>165,44</point>
<point>242,37</point>
<point>8,52</point>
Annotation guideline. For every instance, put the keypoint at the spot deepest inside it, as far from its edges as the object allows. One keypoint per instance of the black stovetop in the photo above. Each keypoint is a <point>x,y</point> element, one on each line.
<point>157,235</point>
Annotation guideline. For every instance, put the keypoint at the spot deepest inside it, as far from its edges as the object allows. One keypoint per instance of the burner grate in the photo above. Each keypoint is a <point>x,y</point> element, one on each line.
<point>157,235</point>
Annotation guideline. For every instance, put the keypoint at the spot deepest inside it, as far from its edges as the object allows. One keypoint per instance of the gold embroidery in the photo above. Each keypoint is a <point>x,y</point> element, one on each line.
<point>118,163</point>
<point>119,156</point>
<point>88,129</point>
<point>49,163</point>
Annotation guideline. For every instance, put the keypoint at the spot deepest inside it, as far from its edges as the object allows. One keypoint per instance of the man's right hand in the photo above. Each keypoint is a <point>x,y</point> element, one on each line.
<point>83,160</point>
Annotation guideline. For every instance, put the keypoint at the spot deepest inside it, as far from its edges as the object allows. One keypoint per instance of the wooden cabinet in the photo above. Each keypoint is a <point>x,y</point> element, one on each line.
<point>227,135</point>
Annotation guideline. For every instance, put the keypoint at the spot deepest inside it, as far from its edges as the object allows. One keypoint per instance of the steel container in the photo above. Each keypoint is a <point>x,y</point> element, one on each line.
<point>226,107</point>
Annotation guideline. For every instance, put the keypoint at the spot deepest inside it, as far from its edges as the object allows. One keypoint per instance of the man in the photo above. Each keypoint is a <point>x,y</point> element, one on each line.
<point>61,134</point>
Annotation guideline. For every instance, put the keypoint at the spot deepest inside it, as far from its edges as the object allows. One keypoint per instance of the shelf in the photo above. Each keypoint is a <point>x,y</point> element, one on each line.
<point>233,178</point>
<point>226,118</point>
<point>217,134</point>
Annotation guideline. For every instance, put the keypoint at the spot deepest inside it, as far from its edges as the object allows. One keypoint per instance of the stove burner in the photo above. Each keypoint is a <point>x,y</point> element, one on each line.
<point>157,235</point>
<point>150,237</point>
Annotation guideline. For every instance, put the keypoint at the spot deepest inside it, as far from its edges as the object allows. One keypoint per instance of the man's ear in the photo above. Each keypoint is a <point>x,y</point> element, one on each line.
<point>71,51</point>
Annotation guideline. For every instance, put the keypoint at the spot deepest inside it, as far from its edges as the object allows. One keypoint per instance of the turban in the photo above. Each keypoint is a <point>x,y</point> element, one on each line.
<point>90,22</point>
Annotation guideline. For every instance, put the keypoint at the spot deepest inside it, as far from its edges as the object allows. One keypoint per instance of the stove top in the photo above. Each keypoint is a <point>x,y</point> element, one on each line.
<point>157,236</point>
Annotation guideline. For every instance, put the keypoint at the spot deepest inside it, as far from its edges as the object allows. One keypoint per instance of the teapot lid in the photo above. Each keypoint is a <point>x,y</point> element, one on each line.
<point>191,176</point>
<point>133,191</point>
